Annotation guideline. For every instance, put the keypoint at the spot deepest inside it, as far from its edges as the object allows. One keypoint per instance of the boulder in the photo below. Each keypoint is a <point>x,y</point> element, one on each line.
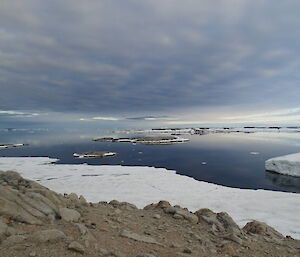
<point>82,201</point>
<point>122,205</point>
<point>159,205</point>
<point>26,201</point>
<point>69,215</point>
<point>187,215</point>
<point>261,228</point>
<point>219,222</point>
<point>47,236</point>
<point>75,246</point>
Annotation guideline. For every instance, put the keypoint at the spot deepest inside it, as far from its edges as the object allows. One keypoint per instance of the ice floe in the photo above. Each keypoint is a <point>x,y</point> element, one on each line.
<point>144,185</point>
<point>4,146</point>
<point>286,164</point>
<point>153,140</point>
<point>101,154</point>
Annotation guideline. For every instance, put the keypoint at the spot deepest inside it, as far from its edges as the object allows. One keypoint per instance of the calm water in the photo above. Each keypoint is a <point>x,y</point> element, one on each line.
<point>227,157</point>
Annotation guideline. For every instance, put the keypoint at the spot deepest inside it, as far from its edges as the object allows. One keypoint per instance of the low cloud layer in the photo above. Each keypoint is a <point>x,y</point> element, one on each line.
<point>126,58</point>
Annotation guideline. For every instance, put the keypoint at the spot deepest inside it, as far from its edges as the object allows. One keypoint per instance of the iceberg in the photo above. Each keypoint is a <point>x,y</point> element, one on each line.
<point>144,185</point>
<point>286,164</point>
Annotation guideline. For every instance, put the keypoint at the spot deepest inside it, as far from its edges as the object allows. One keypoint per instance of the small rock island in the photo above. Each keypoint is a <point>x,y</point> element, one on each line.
<point>101,154</point>
<point>149,140</point>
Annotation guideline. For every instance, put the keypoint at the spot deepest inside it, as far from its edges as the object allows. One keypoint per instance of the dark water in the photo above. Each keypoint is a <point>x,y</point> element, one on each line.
<point>223,159</point>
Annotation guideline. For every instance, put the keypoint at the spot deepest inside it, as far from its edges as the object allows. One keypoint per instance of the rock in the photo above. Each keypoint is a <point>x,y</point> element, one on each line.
<point>147,231</point>
<point>234,238</point>
<point>73,197</point>
<point>102,251</point>
<point>69,215</point>
<point>32,254</point>
<point>178,213</point>
<point>12,231</point>
<point>228,249</point>
<point>81,228</point>
<point>11,178</point>
<point>175,245</point>
<point>118,211</point>
<point>219,222</point>
<point>187,215</point>
<point>137,237</point>
<point>163,204</point>
<point>75,246</point>
<point>105,252</point>
<point>26,201</point>
<point>228,224</point>
<point>170,210</point>
<point>122,205</point>
<point>114,203</point>
<point>159,205</point>
<point>13,240</point>
<point>12,207</point>
<point>45,236</point>
<point>82,201</point>
<point>156,216</point>
<point>262,228</point>
<point>178,217</point>
<point>187,250</point>
<point>3,230</point>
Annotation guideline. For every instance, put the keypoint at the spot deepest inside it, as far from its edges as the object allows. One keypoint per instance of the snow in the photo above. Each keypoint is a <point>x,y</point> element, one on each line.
<point>287,164</point>
<point>145,185</point>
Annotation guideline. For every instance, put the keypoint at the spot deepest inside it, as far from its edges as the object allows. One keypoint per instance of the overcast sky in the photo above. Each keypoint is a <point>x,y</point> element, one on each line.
<point>173,61</point>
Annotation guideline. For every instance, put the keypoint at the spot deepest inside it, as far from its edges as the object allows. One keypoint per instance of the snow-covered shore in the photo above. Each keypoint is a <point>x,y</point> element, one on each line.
<point>287,164</point>
<point>144,185</point>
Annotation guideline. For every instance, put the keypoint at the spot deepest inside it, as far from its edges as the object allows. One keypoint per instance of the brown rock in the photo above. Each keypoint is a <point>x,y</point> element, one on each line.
<point>69,214</point>
<point>45,236</point>
<point>75,246</point>
<point>262,228</point>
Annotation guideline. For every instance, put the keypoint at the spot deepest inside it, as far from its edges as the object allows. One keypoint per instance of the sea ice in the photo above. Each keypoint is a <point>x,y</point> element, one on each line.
<point>287,164</point>
<point>144,185</point>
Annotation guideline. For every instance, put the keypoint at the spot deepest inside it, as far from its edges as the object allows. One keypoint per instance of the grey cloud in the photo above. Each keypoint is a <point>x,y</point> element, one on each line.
<point>148,56</point>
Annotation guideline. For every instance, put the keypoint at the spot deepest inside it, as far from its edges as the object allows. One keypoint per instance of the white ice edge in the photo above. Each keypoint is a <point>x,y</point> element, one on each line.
<point>286,164</point>
<point>211,130</point>
<point>144,185</point>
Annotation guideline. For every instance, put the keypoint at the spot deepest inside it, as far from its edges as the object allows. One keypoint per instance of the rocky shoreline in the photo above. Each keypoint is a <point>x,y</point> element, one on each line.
<point>35,221</point>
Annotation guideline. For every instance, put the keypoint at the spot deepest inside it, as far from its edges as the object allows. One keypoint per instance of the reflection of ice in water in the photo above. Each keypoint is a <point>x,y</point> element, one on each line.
<point>284,181</point>
<point>254,153</point>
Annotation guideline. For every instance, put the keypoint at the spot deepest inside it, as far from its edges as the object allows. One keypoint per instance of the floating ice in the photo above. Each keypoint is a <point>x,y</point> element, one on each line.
<point>4,146</point>
<point>144,185</point>
<point>287,164</point>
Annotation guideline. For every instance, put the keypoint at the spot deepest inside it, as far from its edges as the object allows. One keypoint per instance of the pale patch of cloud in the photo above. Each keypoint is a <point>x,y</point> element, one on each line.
<point>106,118</point>
<point>12,113</point>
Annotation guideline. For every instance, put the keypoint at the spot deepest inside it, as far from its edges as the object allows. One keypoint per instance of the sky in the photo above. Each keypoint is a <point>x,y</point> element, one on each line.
<point>162,62</point>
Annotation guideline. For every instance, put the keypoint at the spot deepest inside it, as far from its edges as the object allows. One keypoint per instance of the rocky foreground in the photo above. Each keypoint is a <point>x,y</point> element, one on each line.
<point>35,221</point>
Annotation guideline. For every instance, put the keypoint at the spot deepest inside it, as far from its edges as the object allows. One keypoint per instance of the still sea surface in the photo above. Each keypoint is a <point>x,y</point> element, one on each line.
<point>221,158</point>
